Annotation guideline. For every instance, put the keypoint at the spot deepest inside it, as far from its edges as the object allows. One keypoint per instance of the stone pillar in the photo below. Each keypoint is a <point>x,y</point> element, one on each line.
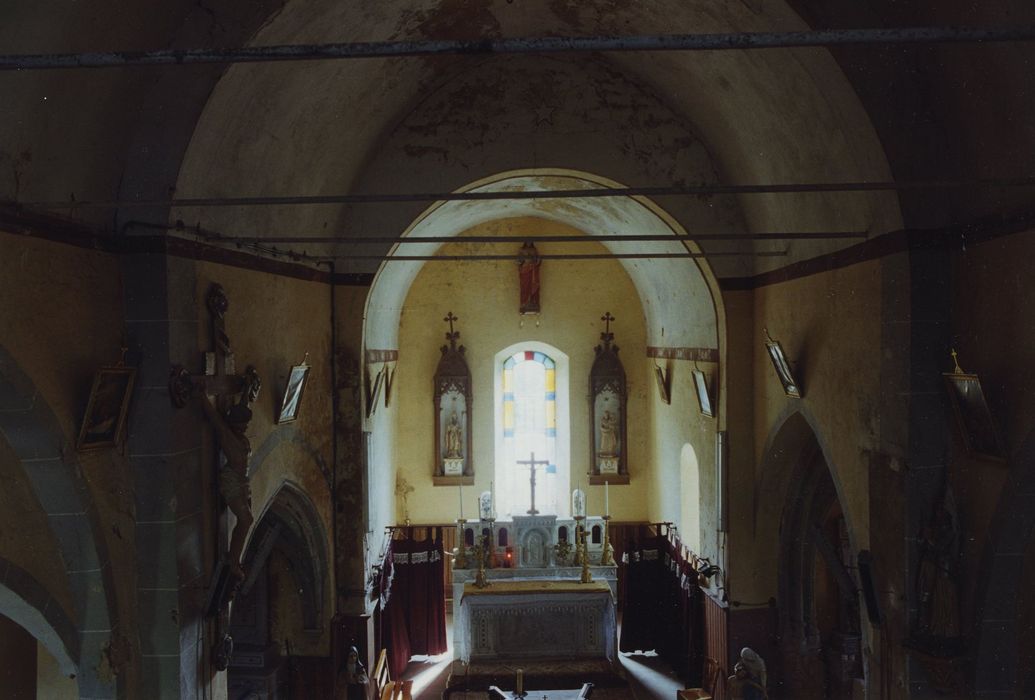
<point>169,476</point>
<point>926,470</point>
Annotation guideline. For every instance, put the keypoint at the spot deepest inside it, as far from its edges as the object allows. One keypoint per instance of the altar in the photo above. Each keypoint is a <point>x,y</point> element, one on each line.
<point>534,604</point>
<point>536,619</point>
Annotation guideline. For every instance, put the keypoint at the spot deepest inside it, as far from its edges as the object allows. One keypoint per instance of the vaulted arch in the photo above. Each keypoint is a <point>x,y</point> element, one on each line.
<point>33,433</point>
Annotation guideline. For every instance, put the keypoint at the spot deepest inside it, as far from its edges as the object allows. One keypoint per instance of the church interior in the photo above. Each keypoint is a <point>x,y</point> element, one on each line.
<point>536,336</point>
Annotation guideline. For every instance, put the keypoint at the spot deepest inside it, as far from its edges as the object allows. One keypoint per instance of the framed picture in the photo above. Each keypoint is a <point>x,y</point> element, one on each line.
<point>374,390</point>
<point>980,436</point>
<point>704,398</point>
<point>661,376</point>
<point>389,376</point>
<point>291,401</point>
<point>783,369</point>
<point>107,408</point>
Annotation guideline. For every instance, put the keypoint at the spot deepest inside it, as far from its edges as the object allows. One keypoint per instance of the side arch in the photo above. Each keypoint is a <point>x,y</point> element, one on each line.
<point>34,434</point>
<point>292,523</point>
<point>28,602</point>
<point>800,518</point>
<point>1000,591</point>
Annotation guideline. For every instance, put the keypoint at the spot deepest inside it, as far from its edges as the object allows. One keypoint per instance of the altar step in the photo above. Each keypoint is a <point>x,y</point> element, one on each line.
<point>539,674</point>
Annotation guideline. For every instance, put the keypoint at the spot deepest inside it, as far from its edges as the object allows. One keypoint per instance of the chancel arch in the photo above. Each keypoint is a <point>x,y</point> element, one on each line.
<point>662,305</point>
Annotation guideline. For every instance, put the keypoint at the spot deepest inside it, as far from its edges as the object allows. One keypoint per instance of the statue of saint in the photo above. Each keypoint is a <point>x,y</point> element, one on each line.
<point>453,443</point>
<point>528,275</point>
<point>608,435</point>
<point>749,677</point>
<point>352,678</point>
<point>233,476</point>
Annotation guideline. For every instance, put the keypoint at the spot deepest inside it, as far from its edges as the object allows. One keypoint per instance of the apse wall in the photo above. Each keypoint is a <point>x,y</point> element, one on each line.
<point>485,297</point>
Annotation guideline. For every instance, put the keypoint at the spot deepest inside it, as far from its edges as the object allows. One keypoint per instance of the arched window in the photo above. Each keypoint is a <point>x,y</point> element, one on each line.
<point>530,409</point>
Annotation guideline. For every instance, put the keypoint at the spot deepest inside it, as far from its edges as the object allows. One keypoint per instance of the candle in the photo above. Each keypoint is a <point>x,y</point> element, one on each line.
<point>607,504</point>
<point>492,493</point>
<point>520,687</point>
<point>461,498</point>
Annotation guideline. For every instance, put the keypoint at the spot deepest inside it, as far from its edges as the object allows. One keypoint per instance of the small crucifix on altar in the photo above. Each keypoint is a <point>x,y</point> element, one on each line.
<point>532,463</point>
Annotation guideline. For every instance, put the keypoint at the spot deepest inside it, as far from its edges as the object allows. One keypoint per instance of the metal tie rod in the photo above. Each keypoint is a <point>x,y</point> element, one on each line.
<point>665,191</point>
<point>537,238</point>
<point>558,256</point>
<point>515,45</point>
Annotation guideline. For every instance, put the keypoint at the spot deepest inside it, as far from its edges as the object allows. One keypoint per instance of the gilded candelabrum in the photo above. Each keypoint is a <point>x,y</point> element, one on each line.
<point>586,577</point>
<point>479,551</point>
<point>492,562</point>
<point>461,547</point>
<point>607,556</point>
<point>561,551</point>
<point>580,537</point>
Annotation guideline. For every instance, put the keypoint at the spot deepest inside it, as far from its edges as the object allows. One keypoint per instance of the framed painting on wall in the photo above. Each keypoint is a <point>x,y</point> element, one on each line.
<point>977,427</point>
<point>106,410</point>
<point>704,397</point>
<point>292,398</point>
<point>782,367</point>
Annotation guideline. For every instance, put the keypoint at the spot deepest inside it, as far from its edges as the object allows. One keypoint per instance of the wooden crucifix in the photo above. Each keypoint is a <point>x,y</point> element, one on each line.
<point>532,463</point>
<point>230,420</point>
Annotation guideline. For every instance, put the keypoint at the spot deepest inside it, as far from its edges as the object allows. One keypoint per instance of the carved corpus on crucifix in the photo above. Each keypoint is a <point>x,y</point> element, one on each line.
<point>607,393</point>
<point>452,409</point>
<point>532,463</point>
<point>229,418</point>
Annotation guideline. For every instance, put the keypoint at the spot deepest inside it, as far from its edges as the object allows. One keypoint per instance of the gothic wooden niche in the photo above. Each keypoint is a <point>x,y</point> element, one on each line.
<point>607,411</point>
<point>452,413</point>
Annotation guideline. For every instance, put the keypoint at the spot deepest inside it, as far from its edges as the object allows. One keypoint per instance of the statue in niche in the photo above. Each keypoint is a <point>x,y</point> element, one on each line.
<point>937,621</point>
<point>454,450</point>
<point>608,435</point>
<point>528,274</point>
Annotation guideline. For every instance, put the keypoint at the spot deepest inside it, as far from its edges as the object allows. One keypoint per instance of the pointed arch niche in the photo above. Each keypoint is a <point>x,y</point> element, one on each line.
<point>673,303</point>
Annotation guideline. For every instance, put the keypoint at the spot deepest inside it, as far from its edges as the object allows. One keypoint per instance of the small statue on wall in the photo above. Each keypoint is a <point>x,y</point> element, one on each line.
<point>454,444</point>
<point>528,275</point>
<point>608,435</point>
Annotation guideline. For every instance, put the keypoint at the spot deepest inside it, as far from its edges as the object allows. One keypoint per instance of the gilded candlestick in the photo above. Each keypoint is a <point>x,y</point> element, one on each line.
<point>461,547</point>
<point>607,557</point>
<point>580,536</point>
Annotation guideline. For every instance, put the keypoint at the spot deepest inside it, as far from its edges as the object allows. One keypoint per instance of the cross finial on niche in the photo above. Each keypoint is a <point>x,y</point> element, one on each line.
<point>452,335</point>
<point>607,318</point>
<point>956,361</point>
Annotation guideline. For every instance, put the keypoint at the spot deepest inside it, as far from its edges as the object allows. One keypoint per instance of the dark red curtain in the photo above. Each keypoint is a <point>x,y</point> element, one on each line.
<point>414,618</point>
<point>662,601</point>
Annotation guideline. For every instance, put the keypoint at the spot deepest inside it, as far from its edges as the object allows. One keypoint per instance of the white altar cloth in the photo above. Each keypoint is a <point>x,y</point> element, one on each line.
<point>555,619</point>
